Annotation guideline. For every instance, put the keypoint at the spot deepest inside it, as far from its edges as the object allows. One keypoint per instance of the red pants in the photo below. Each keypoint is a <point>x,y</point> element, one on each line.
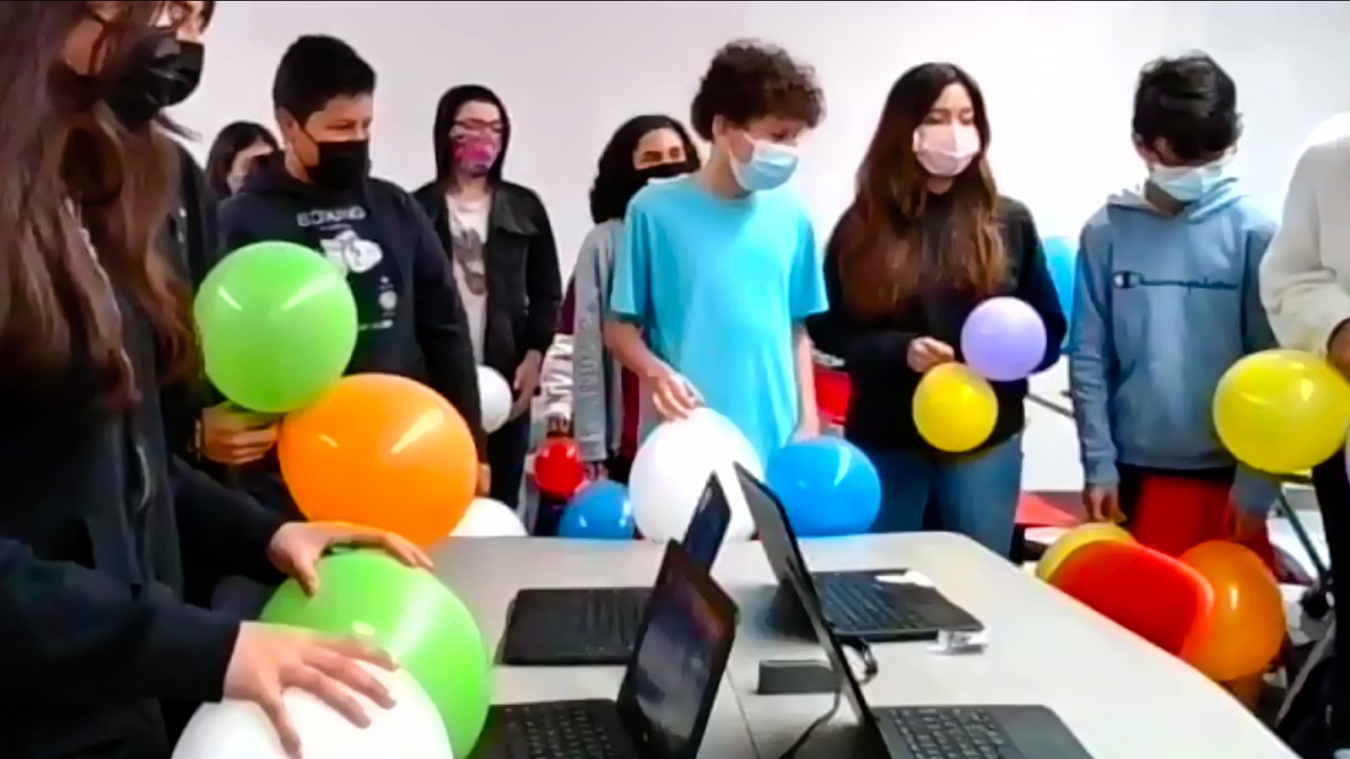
<point>1173,512</point>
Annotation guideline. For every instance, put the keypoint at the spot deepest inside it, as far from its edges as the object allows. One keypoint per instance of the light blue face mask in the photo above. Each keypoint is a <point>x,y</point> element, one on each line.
<point>1189,183</point>
<point>770,166</point>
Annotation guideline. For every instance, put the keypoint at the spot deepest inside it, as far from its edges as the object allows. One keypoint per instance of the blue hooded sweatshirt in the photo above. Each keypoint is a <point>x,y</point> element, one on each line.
<point>1164,305</point>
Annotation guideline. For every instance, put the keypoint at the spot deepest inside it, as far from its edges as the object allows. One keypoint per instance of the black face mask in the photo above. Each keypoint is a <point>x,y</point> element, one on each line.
<point>162,72</point>
<point>642,177</point>
<point>342,165</point>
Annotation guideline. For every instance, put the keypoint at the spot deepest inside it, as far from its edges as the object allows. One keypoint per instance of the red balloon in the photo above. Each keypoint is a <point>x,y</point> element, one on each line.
<point>558,469</point>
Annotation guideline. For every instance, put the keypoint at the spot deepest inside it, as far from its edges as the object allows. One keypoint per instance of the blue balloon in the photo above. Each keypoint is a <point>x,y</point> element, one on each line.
<point>828,487</point>
<point>600,511</point>
<point>1061,258</point>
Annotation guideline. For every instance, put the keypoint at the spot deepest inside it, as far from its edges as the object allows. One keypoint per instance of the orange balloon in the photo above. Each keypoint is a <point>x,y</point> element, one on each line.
<point>1247,627</point>
<point>382,451</point>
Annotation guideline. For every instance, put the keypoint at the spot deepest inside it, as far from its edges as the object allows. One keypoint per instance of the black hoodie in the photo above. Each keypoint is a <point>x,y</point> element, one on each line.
<point>524,285</point>
<point>411,320</point>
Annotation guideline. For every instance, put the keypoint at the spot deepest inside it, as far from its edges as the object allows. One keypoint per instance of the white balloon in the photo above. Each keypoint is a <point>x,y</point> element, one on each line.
<point>487,518</point>
<point>237,729</point>
<point>494,396</point>
<point>673,465</point>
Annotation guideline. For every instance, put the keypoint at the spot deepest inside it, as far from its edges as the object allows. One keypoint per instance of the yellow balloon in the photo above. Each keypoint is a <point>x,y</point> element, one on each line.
<point>1282,411</point>
<point>954,408</point>
<point>1085,534</point>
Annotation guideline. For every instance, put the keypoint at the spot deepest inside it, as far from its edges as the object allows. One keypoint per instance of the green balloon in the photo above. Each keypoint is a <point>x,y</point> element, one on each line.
<point>278,325</point>
<point>410,614</point>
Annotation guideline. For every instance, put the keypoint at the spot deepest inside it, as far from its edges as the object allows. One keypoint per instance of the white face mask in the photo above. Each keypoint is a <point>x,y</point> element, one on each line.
<point>945,150</point>
<point>770,166</point>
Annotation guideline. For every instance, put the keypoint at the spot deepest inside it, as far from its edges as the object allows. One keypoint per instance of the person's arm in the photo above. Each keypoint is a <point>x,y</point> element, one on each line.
<point>1255,492</point>
<point>70,635</point>
<point>223,528</point>
<point>1036,287</point>
<point>1092,357</point>
<point>232,227</point>
<point>806,298</point>
<point>556,382</point>
<point>1301,293</point>
<point>590,403</point>
<point>442,326</point>
<point>543,284</point>
<point>865,349</point>
<point>630,297</point>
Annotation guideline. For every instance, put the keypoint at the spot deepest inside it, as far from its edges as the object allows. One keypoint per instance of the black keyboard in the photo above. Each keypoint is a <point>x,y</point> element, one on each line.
<point>584,626</point>
<point>564,730</point>
<point>948,733</point>
<point>853,602</point>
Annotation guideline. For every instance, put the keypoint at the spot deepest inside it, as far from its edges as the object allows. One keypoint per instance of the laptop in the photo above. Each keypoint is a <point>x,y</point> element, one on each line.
<point>573,626</point>
<point>667,692</point>
<point>930,731</point>
<point>868,605</point>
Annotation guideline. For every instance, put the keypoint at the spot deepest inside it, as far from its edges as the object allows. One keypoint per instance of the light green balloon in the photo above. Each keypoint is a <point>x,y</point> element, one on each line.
<point>410,614</point>
<point>278,326</point>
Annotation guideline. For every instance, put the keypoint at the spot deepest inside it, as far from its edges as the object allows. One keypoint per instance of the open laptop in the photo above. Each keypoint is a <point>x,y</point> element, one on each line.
<point>667,692</point>
<point>868,605</point>
<point>562,626</point>
<point>928,731</point>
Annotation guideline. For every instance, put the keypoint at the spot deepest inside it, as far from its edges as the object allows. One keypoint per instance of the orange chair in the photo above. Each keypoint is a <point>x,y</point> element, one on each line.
<point>1147,592</point>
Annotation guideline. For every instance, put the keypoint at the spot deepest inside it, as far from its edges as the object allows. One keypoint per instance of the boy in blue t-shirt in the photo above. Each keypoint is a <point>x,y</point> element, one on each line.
<point>718,270</point>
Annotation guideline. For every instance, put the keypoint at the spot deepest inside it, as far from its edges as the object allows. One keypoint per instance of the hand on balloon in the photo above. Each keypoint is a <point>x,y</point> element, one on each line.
<point>673,396</point>
<point>268,659</point>
<point>807,428</point>
<point>925,353</point>
<point>233,436</point>
<point>526,382</point>
<point>297,547</point>
<point>1338,350</point>
<point>484,479</point>
<point>1103,504</point>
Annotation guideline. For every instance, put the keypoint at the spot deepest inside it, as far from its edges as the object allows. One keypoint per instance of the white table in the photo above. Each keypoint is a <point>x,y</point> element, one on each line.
<point>1122,697</point>
<point>486,573</point>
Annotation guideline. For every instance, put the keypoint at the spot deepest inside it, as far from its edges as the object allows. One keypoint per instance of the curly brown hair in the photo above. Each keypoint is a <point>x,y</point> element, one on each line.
<point>750,80</point>
<point>882,262</point>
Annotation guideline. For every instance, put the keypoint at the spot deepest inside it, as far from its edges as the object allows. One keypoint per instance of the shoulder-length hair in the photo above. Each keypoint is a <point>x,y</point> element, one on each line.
<point>72,168</point>
<point>882,261</point>
<point>232,140</point>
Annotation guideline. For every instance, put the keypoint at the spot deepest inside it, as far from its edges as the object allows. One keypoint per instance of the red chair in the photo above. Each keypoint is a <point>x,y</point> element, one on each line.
<point>832,393</point>
<point>1147,592</point>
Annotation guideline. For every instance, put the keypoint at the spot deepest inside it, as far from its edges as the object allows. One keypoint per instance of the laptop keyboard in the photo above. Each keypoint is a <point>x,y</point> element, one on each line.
<point>949,733</point>
<point>611,614</point>
<point>856,603</point>
<point>578,730</point>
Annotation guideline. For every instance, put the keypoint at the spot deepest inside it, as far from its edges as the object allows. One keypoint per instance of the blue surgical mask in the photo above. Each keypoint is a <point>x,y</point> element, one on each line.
<point>770,166</point>
<point>1189,183</point>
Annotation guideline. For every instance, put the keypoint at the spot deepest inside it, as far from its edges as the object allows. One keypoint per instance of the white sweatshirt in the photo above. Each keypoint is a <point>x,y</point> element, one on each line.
<point>1305,276</point>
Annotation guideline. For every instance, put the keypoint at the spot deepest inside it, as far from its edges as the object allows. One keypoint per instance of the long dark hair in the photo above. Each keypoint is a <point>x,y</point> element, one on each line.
<point>882,262</point>
<point>232,140</point>
<point>446,111</point>
<point>616,181</point>
<point>67,160</point>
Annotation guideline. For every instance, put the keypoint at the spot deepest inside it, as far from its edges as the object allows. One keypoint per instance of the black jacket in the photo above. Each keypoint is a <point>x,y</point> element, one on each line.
<point>880,414</point>
<point>96,518</point>
<point>411,319</point>
<point>524,287</point>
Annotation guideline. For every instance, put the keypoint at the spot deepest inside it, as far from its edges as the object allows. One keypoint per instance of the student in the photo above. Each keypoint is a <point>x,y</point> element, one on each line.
<point>927,239</point>
<point>320,194</point>
<point>504,259</point>
<point>718,270</point>
<point>239,148</point>
<point>1305,286</point>
<point>1167,300</point>
<point>98,517</point>
<point>606,400</point>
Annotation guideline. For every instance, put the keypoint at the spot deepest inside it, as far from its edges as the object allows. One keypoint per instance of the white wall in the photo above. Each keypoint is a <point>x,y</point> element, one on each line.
<point>1058,77</point>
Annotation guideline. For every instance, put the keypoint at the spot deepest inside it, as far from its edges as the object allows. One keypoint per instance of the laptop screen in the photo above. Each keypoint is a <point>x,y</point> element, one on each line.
<point>708,527</point>
<point>789,565</point>
<point>677,663</point>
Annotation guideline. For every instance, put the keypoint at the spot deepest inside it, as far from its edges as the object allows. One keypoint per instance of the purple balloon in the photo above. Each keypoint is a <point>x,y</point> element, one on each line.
<point>1003,340</point>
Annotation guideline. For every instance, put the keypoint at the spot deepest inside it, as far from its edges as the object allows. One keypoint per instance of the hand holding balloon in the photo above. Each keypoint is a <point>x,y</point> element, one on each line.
<point>233,436</point>
<point>926,353</point>
<point>673,396</point>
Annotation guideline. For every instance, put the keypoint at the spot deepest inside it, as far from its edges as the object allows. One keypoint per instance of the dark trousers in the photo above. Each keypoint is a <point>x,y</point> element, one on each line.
<point>506,451</point>
<point>1333,498</point>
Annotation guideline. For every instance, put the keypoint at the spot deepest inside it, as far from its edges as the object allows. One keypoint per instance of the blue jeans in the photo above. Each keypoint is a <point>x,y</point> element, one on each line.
<point>976,496</point>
